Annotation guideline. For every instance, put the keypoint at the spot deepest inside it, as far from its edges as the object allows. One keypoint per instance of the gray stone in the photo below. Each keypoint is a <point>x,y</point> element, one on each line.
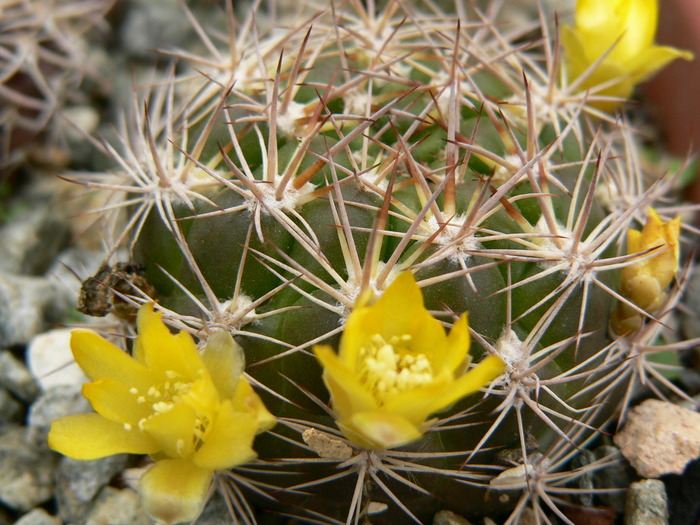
<point>26,471</point>
<point>38,517</point>
<point>646,503</point>
<point>34,237</point>
<point>614,476</point>
<point>15,377</point>
<point>57,402</point>
<point>117,507</point>
<point>77,483</point>
<point>446,517</point>
<point>585,482</point>
<point>215,512</point>
<point>151,24</point>
<point>28,305</point>
<point>10,408</point>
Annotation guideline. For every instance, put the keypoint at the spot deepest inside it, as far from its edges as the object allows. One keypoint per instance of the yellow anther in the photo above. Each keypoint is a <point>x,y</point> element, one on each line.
<point>162,406</point>
<point>153,392</point>
<point>387,368</point>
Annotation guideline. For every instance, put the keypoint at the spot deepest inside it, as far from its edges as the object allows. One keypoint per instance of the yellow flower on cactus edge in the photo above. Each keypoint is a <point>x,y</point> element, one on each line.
<point>193,413</point>
<point>625,30</point>
<point>396,366</point>
<point>644,282</point>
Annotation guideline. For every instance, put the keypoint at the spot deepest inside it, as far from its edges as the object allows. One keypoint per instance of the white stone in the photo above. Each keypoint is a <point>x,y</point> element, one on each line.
<point>51,360</point>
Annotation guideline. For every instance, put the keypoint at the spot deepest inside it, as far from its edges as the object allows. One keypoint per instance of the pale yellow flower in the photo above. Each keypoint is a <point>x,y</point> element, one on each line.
<point>625,30</point>
<point>396,367</point>
<point>644,282</point>
<point>193,413</point>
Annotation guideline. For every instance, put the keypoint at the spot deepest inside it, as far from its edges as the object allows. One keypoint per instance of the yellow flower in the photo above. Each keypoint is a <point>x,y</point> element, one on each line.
<point>194,414</point>
<point>644,282</point>
<point>396,367</point>
<point>625,30</point>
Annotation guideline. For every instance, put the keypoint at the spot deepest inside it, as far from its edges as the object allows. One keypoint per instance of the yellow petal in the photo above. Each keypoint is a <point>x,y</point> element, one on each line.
<point>348,395</point>
<point>662,265</point>
<point>417,404</point>
<point>611,47</point>
<point>399,311</point>
<point>202,396</point>
<point>162,350</point>
<point>574,53</point>
<point>224,360</point>
<point>90,436</point>
<point>599,24</point>
<point>174,491</point>
<point>645,291</point>
<point>634,242</point>
<point>173,430</point>
<point>246,400</point>
<point>640,19</point>
<point>379,430</point>
<point>100,359</point>
<point>114,400</point>
<point>229,442</point>
<point>654,59</point>
<point>453,355</point>
<point>403,295</point>
<point>476,378</point>
<point>592,14</point>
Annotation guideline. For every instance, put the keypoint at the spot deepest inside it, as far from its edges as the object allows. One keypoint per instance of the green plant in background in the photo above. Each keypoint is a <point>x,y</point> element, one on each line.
<point>289,179</point>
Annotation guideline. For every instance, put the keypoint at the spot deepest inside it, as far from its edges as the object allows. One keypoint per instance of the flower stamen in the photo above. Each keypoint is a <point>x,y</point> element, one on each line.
<point>388,368</point>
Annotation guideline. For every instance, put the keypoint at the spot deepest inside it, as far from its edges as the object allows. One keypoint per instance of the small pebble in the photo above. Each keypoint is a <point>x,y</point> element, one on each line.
<point>659,438</point>
<point>117,507</point>
<point>447,517</point>
<point>646,503</point>
<point>34,237</point>
<point>15,377</point>
<point>57,402</point>
<point>10,409</point>
<point>28,306</point>
<point>26,471</point>
<point>38,516</point>
<point>77,483</point>
<point>51,361</point>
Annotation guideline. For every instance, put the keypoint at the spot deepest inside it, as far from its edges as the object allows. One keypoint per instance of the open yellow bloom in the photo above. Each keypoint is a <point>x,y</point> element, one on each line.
<point>396,366</point>
<point>625,30</point>
<point>644,282</point>
<point>194,414</point>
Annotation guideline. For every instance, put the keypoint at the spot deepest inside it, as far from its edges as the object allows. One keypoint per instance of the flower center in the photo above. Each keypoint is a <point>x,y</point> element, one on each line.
<point>388,368</point>
<point>162,398</point>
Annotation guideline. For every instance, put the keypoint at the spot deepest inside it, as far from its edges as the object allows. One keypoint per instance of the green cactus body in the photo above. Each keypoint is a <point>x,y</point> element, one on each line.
<point>407,141</point>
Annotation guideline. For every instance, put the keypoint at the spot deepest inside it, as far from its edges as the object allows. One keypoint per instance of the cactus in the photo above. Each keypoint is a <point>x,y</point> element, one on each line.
<point>284,181</point>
